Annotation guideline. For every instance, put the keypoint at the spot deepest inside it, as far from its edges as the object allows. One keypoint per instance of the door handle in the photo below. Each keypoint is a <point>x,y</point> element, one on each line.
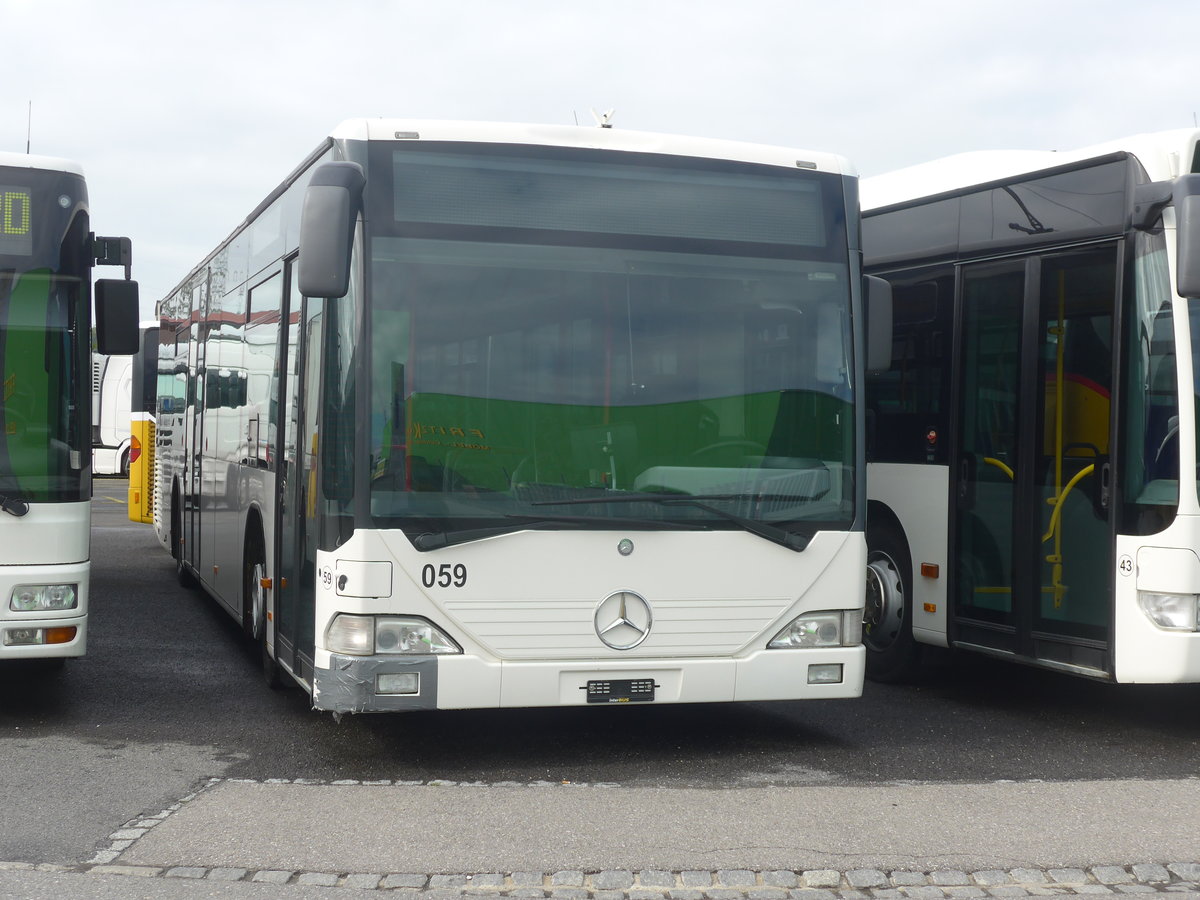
<point>966,478</point>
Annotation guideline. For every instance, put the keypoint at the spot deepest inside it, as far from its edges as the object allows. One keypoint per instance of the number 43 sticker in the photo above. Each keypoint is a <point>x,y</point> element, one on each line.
<point>1125,565</point>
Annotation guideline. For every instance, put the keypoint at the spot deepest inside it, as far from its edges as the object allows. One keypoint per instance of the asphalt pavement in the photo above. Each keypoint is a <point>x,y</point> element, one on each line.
<point>301,838</point>
<point>444,827</point>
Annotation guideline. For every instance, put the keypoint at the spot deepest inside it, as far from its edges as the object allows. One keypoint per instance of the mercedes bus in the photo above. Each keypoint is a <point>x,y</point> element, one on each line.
<point>1032,450</point>
<point>473,415</point>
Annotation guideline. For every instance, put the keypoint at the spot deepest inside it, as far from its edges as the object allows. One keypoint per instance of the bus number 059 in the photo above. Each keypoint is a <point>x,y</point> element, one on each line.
<point>444,575</point>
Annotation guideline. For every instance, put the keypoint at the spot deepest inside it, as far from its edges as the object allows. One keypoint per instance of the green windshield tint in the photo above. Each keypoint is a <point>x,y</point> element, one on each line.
<point>507,375</point>
<point>36,436</point>
<point>43,264</point>
<point>552,327</point>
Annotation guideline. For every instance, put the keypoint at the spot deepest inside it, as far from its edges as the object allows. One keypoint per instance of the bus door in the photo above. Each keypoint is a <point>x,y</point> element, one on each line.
<point>1033,528</point>
<point>194,427</point>
<point>297,543</point>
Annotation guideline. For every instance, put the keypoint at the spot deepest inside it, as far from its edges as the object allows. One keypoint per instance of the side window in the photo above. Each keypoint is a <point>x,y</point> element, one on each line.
<point>260,383</point>
<point>907,404</point>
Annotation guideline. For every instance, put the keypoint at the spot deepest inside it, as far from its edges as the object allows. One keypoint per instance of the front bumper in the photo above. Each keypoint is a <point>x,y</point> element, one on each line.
<point>349,683</point>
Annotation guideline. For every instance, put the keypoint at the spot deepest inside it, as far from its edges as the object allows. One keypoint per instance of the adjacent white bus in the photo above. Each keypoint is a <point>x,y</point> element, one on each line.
<point>46,256</point>
<point>489,415</point>
<point>1032,450</point>
<point>112,386</point>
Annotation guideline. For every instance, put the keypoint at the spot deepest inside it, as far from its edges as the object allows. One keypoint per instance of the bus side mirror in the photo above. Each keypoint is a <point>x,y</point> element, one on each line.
<point>879,324</point>
<point>331,205</point>
<point>117,317</point>
<point>1187,236</point>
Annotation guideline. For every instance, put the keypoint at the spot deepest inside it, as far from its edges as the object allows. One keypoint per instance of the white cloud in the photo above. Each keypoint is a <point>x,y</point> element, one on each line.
<point>185,115</point>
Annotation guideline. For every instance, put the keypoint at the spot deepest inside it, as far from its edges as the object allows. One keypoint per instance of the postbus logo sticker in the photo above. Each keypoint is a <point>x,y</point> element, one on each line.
<point>1125,565</point>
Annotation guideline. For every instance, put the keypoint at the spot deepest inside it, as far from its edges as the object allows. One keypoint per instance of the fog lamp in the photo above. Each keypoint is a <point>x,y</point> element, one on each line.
<point>826,673</point>
<point>398,683</point>
<point>24,637</point>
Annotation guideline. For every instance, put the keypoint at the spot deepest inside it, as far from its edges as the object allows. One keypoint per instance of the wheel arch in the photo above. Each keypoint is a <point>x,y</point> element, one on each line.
<point>880,516</point>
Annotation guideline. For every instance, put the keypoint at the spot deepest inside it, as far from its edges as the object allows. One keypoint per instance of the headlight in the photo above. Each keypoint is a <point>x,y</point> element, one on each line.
<point>836,628</point>
<point>1174,612</point>
<point>41,597</point>
<point>353,635</point>
<point>397,635</point>
<point>366,635</point>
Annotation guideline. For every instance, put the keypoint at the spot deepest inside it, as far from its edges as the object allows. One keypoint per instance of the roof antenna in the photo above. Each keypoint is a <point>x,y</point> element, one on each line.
<point>29,128</point>
<point>605,120</point>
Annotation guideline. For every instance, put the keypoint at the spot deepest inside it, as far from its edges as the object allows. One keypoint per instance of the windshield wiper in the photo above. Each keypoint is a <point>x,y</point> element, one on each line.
<point>764,530</point>
<point>14,506</point>
<point>437,540</point>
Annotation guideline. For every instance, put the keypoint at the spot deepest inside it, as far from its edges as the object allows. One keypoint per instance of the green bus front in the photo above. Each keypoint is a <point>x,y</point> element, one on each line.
<point>45,452</point>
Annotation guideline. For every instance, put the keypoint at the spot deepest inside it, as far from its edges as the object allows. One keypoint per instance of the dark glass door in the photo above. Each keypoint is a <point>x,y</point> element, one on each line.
<point>1033,530</point>
<point>296,565</point>
<point>194,441</point>
<point>988,458</point>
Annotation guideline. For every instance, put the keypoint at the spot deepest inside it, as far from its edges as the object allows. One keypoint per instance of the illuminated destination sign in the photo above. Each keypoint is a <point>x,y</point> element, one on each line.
<point>16,221</point>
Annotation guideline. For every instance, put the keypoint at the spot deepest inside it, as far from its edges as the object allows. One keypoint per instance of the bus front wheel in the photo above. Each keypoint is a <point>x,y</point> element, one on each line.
<point>254,604</point>
<point>892,653</point>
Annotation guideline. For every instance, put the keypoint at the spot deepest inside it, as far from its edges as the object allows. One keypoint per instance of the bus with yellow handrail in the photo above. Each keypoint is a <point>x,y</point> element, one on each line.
<point>1032,478</point>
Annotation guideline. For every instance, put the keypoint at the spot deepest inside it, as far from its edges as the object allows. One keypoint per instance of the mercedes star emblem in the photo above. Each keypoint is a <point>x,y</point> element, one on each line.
<point>623,620</point>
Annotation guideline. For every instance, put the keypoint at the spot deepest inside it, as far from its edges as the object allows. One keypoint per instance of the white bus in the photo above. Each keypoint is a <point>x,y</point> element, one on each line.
<point>1032,450</point>
<point>116,406</point>
<point>490,415</point>
<point>112,386</point>
<point>46,256</point>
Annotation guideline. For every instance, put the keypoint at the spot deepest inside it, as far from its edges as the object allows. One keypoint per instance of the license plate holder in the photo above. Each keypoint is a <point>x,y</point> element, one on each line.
<point>620,690</point>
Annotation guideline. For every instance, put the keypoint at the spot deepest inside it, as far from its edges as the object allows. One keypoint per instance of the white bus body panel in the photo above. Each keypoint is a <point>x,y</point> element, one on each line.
<point>1164,563</point>
<point>48,545</point>
<point>587,138</point>
<point>1164,155</point>
<point>917,495</point>
<point>525,616</point>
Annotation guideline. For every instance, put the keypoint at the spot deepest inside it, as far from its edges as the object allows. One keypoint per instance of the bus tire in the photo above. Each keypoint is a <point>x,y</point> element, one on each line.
<point>254,603</point>
<point>892,653</point>
<point>183,574</point>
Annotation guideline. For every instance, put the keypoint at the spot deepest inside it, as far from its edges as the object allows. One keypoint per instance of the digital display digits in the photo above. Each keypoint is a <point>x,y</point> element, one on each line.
<point>16,221</point>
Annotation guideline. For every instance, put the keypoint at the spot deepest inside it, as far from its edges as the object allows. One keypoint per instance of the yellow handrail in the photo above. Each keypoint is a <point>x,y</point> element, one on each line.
<point>1002,466</point>
<point>1061,498</point>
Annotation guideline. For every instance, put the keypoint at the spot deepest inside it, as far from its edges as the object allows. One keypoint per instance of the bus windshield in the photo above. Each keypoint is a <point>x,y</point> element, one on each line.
<point>560,343</point>
<point>43,264</point>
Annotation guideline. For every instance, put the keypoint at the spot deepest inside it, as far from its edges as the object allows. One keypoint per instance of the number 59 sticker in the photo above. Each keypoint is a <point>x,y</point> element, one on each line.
<point>444,576</point>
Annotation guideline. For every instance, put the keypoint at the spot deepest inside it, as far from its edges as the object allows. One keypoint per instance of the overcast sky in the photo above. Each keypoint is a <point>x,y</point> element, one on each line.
<point>185,115</point>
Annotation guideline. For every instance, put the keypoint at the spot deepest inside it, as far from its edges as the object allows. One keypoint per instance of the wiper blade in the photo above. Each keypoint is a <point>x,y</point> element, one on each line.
<point>435,541</point>
<point>764,530</point>
<point>14,506</point>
